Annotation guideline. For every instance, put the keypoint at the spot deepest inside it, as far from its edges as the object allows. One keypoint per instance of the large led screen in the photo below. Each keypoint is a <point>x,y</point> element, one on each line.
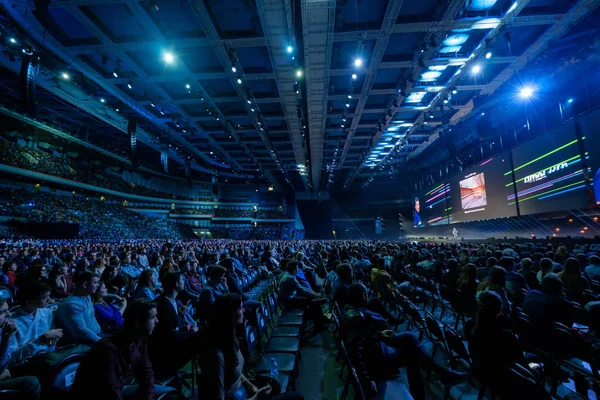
<point>549,172</point>
<point>590,132</point>
<point>434,205</point>
<point>482,192</point>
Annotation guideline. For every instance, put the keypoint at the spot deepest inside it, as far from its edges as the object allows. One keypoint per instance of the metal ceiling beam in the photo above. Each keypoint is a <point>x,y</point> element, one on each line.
<point>276,21</point>
<point>505,20</point>
<point>430,26</point>
<point>194,100</point>
<point>560,28</point>
<point>389,19</point>
<point>207,76</point>
<point>375,92</point>
<point>203,16</point>
<point>439,32</point>
<point>318,23</point>
<point>97,32</point>
<point>458,61</point>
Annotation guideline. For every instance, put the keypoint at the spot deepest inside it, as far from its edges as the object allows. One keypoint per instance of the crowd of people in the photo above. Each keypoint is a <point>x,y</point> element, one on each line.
<point>141,294</point>
<point>96,218</point>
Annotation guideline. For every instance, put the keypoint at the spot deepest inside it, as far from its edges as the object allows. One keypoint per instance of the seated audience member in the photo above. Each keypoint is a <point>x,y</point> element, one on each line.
<point>483,272</point>
<point>515,282</point>
<point>108,315</point>
<point>224,364</point>
<point>38,272</point>
<point>76,316</point>
<point>107,370</point>
<point>376,351</point>
<point>61,281</point>
<point>9,273</point>
<point>146,287</point>
<point>305,274</point>
<point>127,267</point>
<point>529,274</point>
<point>548,304</point>
<point>467,282</point>
<point>593,269</point>
<point>361,263</point>
<point>340,296</point>
<point>574,282</point>
<point>99,266</point>
<point>293,295</point>
<point>233,286</point>
<point>546,267</point>
<point>34,322</point>
<point>214,287</point>
<point>174,341</point>
<point>28,386</point>
<point>494,349</point>
<point>496,282</point>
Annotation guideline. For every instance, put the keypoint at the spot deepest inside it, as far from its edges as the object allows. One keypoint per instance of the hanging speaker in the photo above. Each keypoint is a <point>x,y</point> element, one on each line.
<point>30,67</point>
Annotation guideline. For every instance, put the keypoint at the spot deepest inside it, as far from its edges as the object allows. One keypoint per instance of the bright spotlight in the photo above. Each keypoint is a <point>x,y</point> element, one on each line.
<point>488,55</point>
<point>526,92</point>
<point>570,100</point>
<point>476,69</point>
<point>482,114</point>
<point>187,85</point>
<point>347,104</point>
<point>169,57</point>
<point>454,91</point>
<point>233,69</point>
<point>290,49</point>
<point>358,62</point>
<point>349,96</point>
<point>239,81</point>
<point>102,101</point>
<point>129,85</point>
<point>65,76</point>
<point>115,74</point>
<point>354,76</point>
<point>13,40</point>
<point>299,73</point>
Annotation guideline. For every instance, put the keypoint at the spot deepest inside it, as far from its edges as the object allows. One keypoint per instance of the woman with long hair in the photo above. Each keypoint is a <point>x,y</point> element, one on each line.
<point>467,281</point>
<point>574,281</point>
<point>108,309</point>
<point>146,286</point>
<point>223,366</point>
<point>496,282</point>
<point>61,281</point>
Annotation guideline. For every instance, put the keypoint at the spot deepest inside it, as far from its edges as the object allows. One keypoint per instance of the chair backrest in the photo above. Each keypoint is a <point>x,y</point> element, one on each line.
<point>433,327</point>
<point>251,339</point>
<point>359,393</point>
<point>65,373</point>
<point>261,324</point>
<point>413,313</point>
<point>456,345</point>
<point>7,294</point>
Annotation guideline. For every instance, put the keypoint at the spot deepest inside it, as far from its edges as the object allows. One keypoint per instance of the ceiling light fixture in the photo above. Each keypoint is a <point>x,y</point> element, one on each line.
<point>233,69</point>
<point>488,55</point>
<point>354,76</point>
<point>13,40</point>
<point>65,76</point>
<point>299,73</point>
<point>115,74</point>
<point>102,101</point>
<point>526,92</point>
<point>168,57</point>
<point>358,62</point>
<point>476,69</point>
<point>239,81</point>
<point>290,49</point>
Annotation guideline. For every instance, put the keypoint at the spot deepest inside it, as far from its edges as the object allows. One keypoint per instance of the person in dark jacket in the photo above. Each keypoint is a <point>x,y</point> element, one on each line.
<point>176,339</point>
<point>548,305</point>
<point>375,351</point>
<point>494,349</point>
<point>106,371</point>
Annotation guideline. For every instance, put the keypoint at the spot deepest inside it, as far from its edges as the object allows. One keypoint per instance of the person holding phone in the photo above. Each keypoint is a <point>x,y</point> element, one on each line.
<point>223,378</point>
<point>108,309</point>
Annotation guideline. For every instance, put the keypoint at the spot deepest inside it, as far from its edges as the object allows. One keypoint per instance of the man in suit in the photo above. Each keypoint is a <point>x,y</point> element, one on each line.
<point>294,295</point>
<point>175,339</point>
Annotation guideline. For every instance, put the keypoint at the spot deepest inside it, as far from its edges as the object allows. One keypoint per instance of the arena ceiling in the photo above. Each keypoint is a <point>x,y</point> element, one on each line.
<point>304,93</point>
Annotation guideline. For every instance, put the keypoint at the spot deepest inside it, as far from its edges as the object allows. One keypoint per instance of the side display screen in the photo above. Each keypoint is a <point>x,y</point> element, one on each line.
<point>590,132</point>
<point>482,192</point>
<point>549,173</point>
<point>435,202</point>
